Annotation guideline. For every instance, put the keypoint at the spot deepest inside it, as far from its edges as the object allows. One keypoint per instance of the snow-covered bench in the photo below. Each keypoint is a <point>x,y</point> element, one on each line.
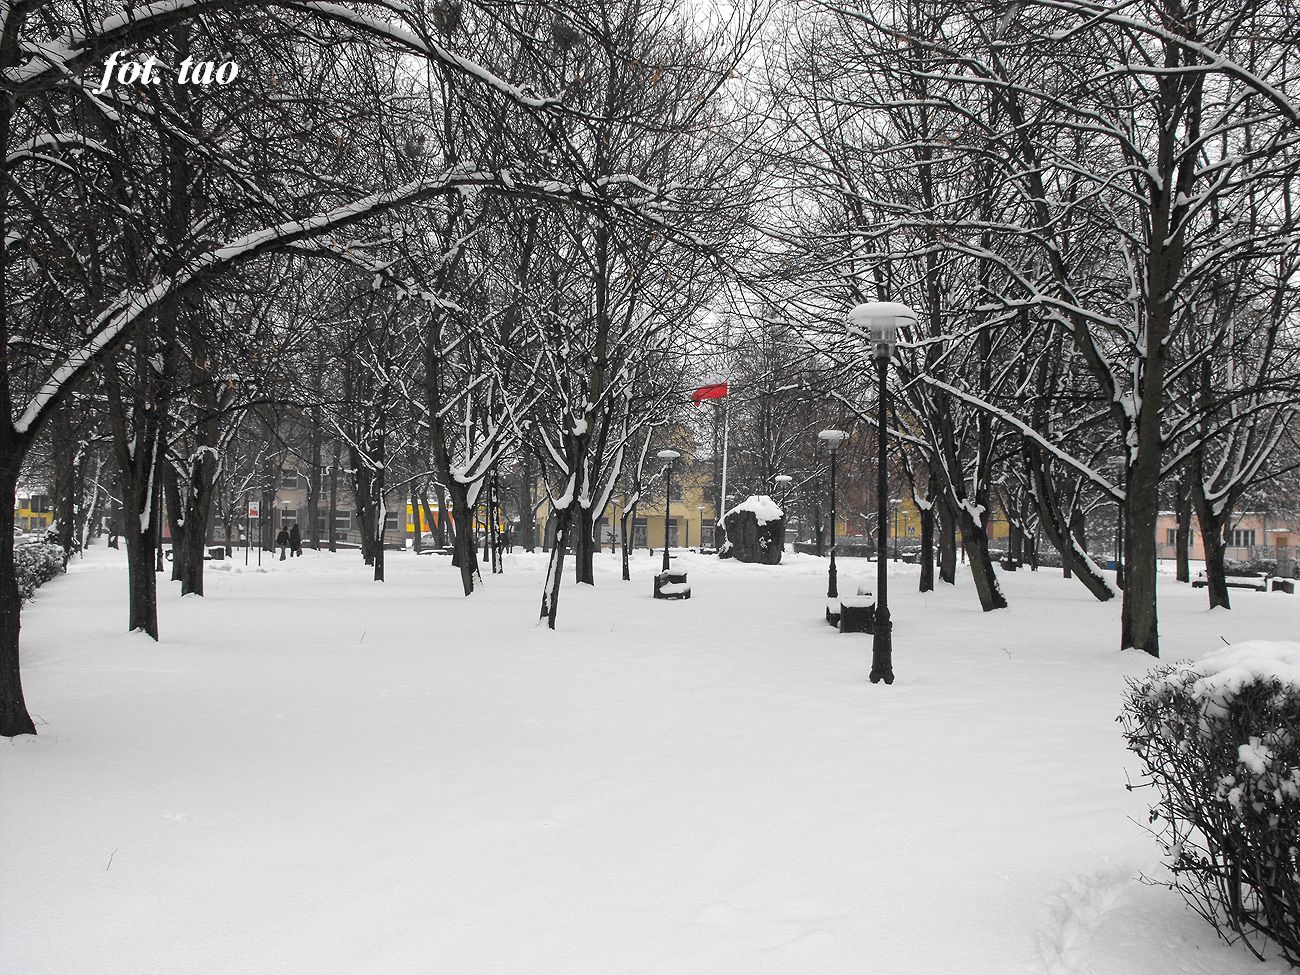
<point>852,614</point>
<point>1258,582</point>
<point>857,613</point>
<point>671,585</point>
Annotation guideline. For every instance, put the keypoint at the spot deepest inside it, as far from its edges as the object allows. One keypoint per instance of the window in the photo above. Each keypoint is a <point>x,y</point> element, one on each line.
<point>706,536</point>
<point>288,479</point>
<point>1243,537</point>
<point>1171,536</point>
<point>672,532</point>
<point>640,534</point>
<point>288,517</point>
<point>390,521</point>
<point>40,503</point>
<point>342,520</point>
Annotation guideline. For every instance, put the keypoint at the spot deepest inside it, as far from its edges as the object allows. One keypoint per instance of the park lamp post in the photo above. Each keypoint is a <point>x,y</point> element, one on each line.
<point>669,456</point>
<point>783,480</point>
<point>832,439</point>
<point>879,322</point>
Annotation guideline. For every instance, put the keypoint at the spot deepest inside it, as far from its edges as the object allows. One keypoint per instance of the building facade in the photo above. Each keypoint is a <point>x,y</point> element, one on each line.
<point>1252,535</point>
<point>33,513</point>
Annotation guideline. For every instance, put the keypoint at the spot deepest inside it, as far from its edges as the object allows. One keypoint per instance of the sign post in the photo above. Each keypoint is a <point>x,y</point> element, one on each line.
<point>253,512</point>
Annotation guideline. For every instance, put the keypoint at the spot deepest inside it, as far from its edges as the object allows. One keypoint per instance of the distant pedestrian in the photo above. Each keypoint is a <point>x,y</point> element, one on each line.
<point>282,539</point>
<point>295,540</point>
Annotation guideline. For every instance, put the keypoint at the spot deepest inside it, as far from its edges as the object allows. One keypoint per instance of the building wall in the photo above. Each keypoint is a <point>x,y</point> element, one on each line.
<point>34,513</point>
<point>290,506</point>
<point>1253,534</point>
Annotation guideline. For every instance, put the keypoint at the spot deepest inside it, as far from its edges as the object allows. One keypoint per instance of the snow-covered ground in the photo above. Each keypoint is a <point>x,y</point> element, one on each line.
<point>315,773</point>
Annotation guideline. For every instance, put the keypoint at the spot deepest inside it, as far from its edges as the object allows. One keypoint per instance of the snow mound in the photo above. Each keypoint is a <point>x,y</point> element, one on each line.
<point>764,508</point>
<point>1220,676</point>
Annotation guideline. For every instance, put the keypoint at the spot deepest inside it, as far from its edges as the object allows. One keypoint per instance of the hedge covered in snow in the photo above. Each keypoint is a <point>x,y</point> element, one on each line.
<point>1219,741</point>
<point>36,564</point>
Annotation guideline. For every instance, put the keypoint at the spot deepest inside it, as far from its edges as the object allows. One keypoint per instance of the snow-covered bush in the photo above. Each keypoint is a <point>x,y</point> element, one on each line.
<point>1246,567</point>
<point>1219,740</point>
<point>36,564</point>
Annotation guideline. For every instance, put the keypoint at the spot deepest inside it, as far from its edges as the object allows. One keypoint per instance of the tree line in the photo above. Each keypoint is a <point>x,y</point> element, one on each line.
<point>482,249</point>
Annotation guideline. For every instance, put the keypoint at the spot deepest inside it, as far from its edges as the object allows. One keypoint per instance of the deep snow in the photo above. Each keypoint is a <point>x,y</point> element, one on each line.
<point>315,773</point>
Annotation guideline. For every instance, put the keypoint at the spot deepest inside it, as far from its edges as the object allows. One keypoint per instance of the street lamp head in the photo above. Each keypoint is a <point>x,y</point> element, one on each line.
<point>833,439</point>
<point>783,479</point>
<point>878,322</point>
<point>669,455</point>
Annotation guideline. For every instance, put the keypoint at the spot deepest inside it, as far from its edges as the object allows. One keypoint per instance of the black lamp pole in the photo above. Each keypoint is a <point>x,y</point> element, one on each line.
<point>833,439</point>
<point>670,456</point>
<point>882,644</point>
<point>879,322</point>
<point>832,586</point>
<point>668,505</point>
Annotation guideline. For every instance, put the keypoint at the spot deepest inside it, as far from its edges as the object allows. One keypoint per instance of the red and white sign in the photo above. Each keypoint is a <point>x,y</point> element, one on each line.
<point>253,509</point>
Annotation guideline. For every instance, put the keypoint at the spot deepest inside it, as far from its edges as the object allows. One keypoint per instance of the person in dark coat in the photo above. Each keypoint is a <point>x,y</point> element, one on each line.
<point>295,540</point>
<point>282,539</point>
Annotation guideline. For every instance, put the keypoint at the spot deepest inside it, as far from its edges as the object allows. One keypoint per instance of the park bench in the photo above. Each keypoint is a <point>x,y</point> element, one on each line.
<point>1244,580</point>
<point>671,584</point>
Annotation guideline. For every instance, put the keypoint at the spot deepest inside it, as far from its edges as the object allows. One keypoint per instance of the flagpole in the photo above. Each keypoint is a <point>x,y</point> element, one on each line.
<point>722,500</point>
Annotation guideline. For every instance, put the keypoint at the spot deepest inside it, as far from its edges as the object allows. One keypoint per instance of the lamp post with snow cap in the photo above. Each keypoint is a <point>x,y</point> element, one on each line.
<point>783,481</point>
<point>670,456</point>
<point>832,439</point>
<point>879,322</point>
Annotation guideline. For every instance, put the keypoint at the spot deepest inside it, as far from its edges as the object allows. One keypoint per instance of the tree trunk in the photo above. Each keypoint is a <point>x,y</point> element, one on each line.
<point>440,526</point>
<point>494,529</point>
<point>191,513</point>
<point>625,529</point>
<point>66,488</point>
<point>381,519</point>
<point>141,536</point>
<point>1216,574</point>
<point>417,539</point>
<point>265,518</point>
<point>927,542</point>
<point>14,719</point>
<point>464,556</point>
<point>363,498</point>
<point>1214,522</point>
<point>428,514</point>
<point>1015,538</point>
<point>975,541</point>
<point>1183,533</point>
<point>584,545</point>
<point>527,521</point>
<point>1138,621</point>
<point>1052,522</point>
<point>313,483</point>
<point>947,542</point>
<point>332,528</point>
<point>562,518</point>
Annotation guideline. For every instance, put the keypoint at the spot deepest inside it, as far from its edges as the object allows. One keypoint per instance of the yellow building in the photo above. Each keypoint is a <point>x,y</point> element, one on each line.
<point>691,517</point>
<point>34,513</point>
<point>905,523</point>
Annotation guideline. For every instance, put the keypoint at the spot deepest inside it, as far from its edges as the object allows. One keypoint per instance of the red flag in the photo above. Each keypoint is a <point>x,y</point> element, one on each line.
<point>716,391</point>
